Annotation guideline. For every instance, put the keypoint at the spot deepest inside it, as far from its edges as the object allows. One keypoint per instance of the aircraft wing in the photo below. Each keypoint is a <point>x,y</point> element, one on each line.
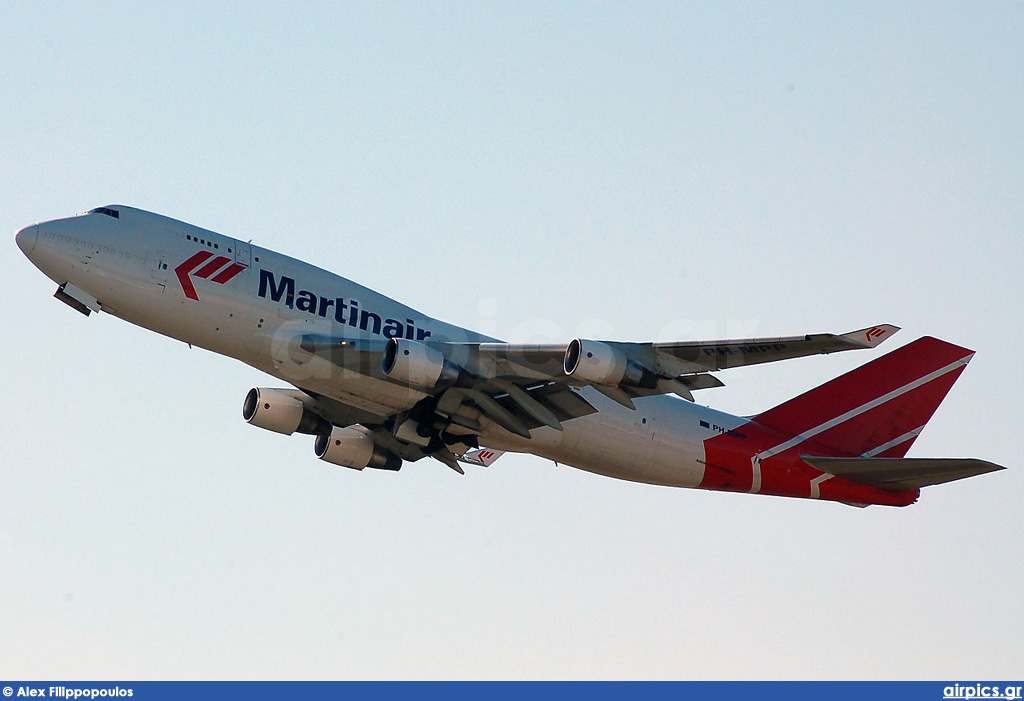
<point>676,358</point>
<point>624,371</point>
<point>522,387</point>
<point>721,355</point>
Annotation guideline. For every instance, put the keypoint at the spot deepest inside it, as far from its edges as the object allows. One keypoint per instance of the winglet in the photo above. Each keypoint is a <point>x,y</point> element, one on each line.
<point>483,457</point>
<point>872,336</point>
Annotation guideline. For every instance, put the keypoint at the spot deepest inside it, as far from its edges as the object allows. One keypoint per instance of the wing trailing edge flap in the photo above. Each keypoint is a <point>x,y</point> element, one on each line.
<point>900,474</point>
<point>513,407</point>
<point>682,386</point>
<point>520,410</point>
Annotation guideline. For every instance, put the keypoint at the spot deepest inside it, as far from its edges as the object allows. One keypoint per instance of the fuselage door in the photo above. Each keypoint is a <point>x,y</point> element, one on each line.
<point>160,267</point>
<point>243,253</point>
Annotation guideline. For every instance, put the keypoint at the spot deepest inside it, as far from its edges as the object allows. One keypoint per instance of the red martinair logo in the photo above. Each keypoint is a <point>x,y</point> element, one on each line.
<point>188,268</point>
<point>874,333</point>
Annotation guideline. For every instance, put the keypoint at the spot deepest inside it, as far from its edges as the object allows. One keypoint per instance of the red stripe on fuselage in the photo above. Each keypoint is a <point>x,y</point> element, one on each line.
<point>212,267</point>
<point>728,467</point>
<point>228,273</point>
<point>727,456</point>
<point>183,270</point>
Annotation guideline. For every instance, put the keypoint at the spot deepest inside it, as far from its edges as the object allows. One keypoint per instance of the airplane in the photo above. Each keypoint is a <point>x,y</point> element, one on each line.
<point>378,383</point>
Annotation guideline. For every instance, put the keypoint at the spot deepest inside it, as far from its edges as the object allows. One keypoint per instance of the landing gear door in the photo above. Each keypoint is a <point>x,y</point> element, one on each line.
<point>243,253</point>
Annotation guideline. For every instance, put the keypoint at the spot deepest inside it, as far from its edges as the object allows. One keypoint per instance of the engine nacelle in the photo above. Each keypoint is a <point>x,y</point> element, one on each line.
<point>601,364</point>
<point>277,410</point>
<point>354,447</point>
<point>419,365</point>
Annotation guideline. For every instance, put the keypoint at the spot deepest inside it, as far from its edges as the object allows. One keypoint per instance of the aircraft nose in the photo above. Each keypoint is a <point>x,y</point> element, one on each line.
<point>26,239</point>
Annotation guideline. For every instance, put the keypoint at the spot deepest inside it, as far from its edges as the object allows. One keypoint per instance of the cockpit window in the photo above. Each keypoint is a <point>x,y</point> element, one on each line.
<point>106,210</point>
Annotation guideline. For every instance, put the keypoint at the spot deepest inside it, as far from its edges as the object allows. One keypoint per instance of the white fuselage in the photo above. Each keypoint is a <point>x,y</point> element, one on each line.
<point>133,265</point>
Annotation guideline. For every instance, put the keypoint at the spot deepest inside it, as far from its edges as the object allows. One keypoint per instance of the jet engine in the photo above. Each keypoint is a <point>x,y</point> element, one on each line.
<point>281,411</point>
<point>419,365</point>
<point>354,447</point>
<point>602,364</point>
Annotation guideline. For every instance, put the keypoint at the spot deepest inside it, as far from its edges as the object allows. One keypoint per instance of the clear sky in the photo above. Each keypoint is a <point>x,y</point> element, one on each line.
<point>534,170</point>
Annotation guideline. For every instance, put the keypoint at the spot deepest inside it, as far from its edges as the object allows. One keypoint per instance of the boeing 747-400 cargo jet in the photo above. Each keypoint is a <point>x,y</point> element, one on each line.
<point>379,383</point>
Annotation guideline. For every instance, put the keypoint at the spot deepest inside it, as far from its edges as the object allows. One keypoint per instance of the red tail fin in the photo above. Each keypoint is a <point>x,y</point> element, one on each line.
<point>879,409</point>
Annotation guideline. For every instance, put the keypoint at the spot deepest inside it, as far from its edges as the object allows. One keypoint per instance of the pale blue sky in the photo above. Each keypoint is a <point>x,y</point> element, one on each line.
<point>536,171</point>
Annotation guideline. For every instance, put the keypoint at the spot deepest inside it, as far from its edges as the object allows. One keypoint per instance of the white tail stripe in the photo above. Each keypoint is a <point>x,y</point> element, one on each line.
<point>816,484</point>
<point>893,443</point>
<point>842,418</point>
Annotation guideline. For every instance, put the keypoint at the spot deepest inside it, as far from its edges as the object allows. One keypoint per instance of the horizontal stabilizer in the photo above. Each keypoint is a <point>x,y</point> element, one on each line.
<point>899,474</point>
